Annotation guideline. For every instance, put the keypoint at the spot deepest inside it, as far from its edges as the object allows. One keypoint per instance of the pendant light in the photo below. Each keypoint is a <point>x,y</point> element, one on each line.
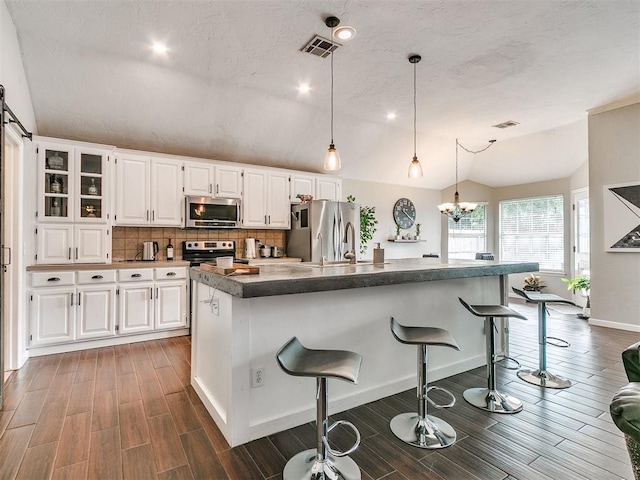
<point>457,209</point>
<point>415,169</point>
<point>332,158</point>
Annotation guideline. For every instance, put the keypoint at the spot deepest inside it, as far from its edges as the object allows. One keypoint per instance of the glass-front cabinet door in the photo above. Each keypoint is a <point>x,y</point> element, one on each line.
<point>91,205</point>
<point>56,185</point>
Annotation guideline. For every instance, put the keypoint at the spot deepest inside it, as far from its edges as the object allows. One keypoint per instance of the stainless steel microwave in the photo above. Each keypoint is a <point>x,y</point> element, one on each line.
<point>205,212</point>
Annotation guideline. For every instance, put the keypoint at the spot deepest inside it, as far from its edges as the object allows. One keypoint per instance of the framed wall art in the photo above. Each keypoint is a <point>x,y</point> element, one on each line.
<point>622,217</point>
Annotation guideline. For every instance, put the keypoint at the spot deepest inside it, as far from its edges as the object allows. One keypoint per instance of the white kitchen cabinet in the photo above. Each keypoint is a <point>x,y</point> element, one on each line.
<point>171,304</point>
<point>51,315</point>
<point>73,182</point>
<point>302,185</point>
<point>212,180</point>
<point>135,307</point>
<point>149,191</point>
<point>328,189</point>
<point>64,243</point>
<point>96,311</point>
<point>266,199</point>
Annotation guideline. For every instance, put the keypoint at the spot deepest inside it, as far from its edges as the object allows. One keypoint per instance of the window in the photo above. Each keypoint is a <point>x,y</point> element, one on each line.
<point>532,230</point>
<point>469,235</point>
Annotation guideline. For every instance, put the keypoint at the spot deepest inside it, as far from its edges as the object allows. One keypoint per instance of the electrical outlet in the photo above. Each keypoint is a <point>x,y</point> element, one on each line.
<point>215,306</point>
<point>257,377</point>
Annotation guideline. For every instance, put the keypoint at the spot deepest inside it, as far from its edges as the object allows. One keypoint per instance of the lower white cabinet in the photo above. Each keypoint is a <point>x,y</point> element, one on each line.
<point>74,306</point>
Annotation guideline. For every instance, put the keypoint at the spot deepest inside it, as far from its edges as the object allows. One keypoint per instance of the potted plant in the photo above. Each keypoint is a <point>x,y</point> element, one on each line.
<point>533,283</point>
<point>398,236</point>
<point>368,224</point>
<point>418,226</point>
<point>582,284</point>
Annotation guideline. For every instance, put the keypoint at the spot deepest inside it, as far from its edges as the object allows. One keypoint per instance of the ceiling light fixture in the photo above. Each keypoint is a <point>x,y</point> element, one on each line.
<point>304,88</point>
<point>344,33</point>
<point>159,48</point>
<point>415,169</point>
<point>457,209</point>
<point>332,158</point>
<point>391,115</point>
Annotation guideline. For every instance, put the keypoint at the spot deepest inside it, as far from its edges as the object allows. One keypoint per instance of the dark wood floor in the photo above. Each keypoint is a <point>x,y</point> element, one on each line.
<point>129,412</point>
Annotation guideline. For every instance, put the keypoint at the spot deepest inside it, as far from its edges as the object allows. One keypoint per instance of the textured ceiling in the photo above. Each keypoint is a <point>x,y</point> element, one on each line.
<point>227,87</point>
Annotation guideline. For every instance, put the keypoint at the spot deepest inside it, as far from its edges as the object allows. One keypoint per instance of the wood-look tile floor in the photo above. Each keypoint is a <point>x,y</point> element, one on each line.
<point>129,412</point>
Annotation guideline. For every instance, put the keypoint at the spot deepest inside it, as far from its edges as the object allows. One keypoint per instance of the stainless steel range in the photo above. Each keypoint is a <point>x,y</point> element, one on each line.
<point>200,251</point>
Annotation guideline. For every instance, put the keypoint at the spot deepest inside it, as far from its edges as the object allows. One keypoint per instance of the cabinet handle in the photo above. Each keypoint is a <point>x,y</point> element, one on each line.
<point>136,275</point>
<point>153,215</point>
<point>79,298</point>
<point>147,214</point>
<point>217,189</point>
<point>171,274</point>
<point>265,219</point>
<point>156,293</point>
<point>53,279</point>
<point>69,253</point>
<point>269,222</point>
<point>72,299</point>
<point>97,277</point>
<point>76,253</point>
<point>210,188</point>
<point>151,293</point>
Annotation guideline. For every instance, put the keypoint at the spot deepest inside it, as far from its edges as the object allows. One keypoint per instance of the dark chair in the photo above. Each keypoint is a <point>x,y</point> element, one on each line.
<point>321,462</point>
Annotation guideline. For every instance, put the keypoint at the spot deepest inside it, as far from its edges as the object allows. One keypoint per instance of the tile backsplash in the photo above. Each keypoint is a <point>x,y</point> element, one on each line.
<point>127,241</point>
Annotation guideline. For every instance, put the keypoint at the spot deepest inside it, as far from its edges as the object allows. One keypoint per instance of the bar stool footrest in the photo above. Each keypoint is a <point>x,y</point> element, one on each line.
<point>492,400</point>
<point>305,466</point>
<point>558,342</point>
<point>337,453</point>
<point>437,405</point>
<point>544,378</point>
<point>506,359</point>
<point>430,432</point>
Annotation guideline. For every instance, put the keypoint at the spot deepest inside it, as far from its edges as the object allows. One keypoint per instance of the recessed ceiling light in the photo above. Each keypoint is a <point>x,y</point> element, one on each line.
<point>159,48</point>
<point>391,115</point>
<point>304,88</point>
<point>344,33</point>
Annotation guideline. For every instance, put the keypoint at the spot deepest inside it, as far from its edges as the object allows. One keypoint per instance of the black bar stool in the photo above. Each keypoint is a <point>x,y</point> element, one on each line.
<point>322,462</point>
<point>490,398</point>
<point>541,376</point>
<point>419,429</point>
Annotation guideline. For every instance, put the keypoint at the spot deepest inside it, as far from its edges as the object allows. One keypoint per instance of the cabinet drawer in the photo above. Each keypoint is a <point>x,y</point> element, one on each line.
<point>90,277</point>
<point>51,279</point>
<point>135,275</point>
<point>171,273</point>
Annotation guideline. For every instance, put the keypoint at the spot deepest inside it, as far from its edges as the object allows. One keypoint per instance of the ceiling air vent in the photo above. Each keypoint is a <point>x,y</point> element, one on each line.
<point>507,124</point>
<point>320,46</point>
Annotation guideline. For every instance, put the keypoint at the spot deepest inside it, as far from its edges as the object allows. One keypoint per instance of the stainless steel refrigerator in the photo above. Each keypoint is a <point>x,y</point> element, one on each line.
<point>323,228</point>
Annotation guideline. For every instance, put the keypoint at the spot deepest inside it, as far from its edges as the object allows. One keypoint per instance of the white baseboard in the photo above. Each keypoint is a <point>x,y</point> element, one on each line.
<point>617,325</point>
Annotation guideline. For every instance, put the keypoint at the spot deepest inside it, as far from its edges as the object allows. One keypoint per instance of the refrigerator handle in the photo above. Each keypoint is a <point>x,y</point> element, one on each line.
<point>341,230</point>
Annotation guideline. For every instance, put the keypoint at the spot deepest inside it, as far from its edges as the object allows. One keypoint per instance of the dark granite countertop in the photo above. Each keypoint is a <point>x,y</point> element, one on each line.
<point>284,279</point>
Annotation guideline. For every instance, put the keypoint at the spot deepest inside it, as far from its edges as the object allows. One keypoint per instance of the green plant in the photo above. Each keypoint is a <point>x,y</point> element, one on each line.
<point>398,230</point>
<point>368,224</point>
<point>581,282</point>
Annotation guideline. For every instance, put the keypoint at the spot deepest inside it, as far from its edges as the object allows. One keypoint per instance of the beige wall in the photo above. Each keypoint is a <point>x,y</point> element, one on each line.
<point>614,157</point>
<point>383,197</point>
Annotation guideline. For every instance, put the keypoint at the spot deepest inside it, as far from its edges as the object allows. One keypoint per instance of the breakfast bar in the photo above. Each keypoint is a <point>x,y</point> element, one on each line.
<point>240,321</point>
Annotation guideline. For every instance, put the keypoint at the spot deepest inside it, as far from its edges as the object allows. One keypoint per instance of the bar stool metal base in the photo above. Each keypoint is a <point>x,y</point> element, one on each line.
<point>306,466</point>
<point>492,400</point>
<point>431,432</point>
<point>543,378</point>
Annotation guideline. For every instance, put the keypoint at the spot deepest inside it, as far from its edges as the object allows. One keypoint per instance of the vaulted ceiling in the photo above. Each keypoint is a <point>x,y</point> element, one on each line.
<point>227,86</point>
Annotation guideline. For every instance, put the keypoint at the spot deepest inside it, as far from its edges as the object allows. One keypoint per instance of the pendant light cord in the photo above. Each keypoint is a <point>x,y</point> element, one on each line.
<point>332,51</point>
<point>458,144</point>
<point>415,110</point>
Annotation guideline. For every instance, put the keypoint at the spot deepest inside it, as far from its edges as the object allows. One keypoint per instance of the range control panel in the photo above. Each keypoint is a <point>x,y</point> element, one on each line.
<point>210,245</point>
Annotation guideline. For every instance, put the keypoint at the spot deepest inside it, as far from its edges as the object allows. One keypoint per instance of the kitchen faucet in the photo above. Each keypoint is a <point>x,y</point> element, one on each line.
<point>351,254</point>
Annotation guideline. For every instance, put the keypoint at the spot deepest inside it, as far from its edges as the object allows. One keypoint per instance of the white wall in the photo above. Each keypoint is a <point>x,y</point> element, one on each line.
<point>383,197</point>
<point>614,157</point>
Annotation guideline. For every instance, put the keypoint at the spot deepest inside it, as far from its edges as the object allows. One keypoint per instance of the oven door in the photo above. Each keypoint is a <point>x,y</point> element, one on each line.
<point>204,212</point>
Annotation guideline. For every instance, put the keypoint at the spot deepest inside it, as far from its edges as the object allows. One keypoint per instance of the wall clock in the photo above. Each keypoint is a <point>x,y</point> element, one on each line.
<point>404,213</point>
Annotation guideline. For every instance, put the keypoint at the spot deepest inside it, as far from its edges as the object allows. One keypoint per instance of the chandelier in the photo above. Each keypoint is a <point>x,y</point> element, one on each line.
<point>458,209</point>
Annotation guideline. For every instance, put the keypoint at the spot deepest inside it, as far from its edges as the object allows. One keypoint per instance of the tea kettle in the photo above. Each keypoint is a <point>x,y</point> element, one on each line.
<point>149,251</point>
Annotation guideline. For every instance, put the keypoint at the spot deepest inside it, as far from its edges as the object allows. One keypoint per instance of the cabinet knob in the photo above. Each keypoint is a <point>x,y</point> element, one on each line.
<point>171,274</point>
<point>53,279</point>
<point>136,275</point>
<point>97,277</point>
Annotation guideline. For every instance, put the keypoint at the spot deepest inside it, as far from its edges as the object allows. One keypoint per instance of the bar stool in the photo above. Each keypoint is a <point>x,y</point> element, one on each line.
<point>419,429</point>
<point>490,398</point>
<point>323,462</point>
<point>541,376</point>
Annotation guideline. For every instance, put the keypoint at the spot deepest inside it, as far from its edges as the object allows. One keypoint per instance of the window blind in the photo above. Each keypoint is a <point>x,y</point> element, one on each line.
<point>469,235</point>
<point>532,230</point>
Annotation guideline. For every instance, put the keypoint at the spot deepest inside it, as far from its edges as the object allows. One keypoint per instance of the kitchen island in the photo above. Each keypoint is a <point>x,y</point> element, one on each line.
<point>240,321</point>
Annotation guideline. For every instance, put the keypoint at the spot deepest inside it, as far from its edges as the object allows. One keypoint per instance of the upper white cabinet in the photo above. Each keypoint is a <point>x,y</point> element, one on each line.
<point>302,185</point>
<point>266,199</point>
<point>328,188</point>
<point>208,180</point>
<point>148,191</point>
<point>73,182</point>
<point>64,243</point>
